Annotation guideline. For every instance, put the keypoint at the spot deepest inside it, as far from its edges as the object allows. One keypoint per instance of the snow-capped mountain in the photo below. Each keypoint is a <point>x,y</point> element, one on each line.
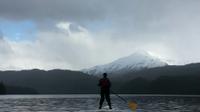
<point>137,61</point>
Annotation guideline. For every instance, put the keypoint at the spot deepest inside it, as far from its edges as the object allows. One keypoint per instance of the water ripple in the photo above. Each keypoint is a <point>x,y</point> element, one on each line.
<point>89,103</point>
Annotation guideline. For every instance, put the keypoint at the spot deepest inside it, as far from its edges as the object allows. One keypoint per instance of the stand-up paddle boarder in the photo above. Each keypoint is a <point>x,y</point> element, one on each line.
<point>104,84</point>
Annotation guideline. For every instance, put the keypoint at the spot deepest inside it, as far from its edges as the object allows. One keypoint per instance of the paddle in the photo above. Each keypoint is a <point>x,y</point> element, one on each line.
<point>131,104</point>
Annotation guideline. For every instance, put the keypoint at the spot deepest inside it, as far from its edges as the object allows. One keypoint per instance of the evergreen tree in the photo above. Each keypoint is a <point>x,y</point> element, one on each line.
<point>2,88</point>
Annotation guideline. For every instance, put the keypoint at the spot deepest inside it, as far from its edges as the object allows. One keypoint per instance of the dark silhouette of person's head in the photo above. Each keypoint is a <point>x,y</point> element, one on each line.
<point>105,75</point>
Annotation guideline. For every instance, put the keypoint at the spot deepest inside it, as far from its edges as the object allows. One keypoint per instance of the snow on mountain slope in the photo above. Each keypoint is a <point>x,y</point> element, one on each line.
<point>135,62</point>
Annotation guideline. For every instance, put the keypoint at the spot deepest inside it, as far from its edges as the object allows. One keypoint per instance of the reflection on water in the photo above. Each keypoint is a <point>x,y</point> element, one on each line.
<point>89,103</point>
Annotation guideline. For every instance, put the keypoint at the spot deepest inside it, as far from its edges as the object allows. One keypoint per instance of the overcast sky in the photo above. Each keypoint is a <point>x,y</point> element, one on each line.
<point>76,34</point>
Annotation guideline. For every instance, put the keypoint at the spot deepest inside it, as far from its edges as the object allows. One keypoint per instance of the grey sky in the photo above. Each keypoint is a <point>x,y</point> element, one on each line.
<point>100,31</point>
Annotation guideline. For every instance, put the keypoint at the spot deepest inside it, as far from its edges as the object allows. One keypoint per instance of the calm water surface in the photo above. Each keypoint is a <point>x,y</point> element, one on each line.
<point>89,103</point>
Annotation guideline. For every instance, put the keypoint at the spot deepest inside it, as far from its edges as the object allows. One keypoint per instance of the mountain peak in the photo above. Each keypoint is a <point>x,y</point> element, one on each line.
<point>140,52</point>
<point>138,55</point>
<point>137,61</point>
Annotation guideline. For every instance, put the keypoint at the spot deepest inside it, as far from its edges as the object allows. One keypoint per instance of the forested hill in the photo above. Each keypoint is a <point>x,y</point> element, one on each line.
<point>162,80</point>
<point>48,82</point>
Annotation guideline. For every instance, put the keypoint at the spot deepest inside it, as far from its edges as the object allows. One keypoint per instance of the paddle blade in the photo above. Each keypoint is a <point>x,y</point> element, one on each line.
<point>132,105</point>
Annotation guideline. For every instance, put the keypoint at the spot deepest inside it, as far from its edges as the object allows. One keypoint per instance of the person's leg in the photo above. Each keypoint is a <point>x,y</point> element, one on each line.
<point>101,100</point>
<point>108,99</point>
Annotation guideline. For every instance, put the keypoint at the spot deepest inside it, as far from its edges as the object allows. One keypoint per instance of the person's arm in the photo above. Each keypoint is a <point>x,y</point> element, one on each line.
<point>109,83</point>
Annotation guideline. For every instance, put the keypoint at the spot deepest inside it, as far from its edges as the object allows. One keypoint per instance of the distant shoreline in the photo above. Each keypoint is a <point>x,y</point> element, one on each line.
<point>89,95</point>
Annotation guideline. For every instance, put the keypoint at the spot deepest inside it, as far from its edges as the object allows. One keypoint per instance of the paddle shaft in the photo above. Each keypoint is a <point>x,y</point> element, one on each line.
<point>119,96</point>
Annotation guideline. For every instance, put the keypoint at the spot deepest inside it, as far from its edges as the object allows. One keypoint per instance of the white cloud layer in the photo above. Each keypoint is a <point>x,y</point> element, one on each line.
<point>63,49</point>
<point>66,49</point>
<point>78,34</point>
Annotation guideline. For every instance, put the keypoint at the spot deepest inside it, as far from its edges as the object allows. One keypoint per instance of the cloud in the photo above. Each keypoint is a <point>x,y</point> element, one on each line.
<point>78,34</point>
<point>51,50</point>
<point>64,48</point>
<point>5,52</point>
<point>50,9</point>
<point>127,18</point>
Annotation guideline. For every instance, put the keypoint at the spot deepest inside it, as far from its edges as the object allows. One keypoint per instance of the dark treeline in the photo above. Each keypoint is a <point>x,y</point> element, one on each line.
<point>48,82</point>
<point>2,88</point>
<point>163,85</point>
<point>5,89</point>
<point>163,80</point>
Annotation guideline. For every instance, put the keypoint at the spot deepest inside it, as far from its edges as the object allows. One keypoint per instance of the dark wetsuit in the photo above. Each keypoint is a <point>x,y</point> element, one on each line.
<point>105,85</point>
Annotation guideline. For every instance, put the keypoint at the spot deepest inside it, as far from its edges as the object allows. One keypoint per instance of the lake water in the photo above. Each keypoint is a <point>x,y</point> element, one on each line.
<point>89,103</point>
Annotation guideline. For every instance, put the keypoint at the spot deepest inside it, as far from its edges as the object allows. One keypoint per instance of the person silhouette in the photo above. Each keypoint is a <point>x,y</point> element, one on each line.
<point>104,84</point>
